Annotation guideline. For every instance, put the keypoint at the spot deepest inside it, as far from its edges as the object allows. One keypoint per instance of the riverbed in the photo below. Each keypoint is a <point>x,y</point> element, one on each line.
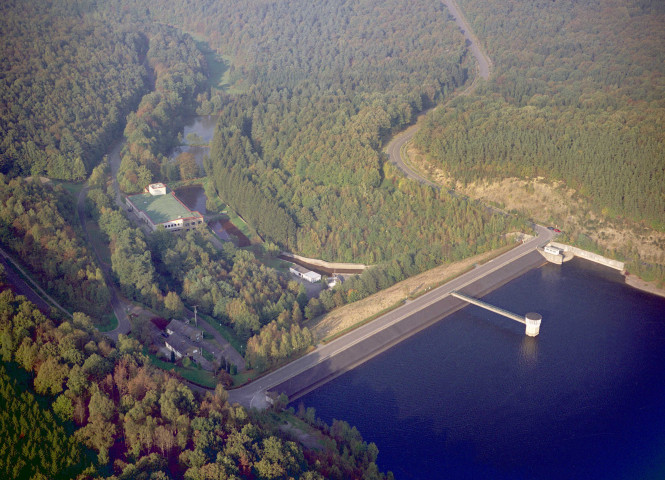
<point>472,397</point>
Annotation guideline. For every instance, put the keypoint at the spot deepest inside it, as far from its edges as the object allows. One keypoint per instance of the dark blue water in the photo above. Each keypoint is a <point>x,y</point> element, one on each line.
<point>472,397</point>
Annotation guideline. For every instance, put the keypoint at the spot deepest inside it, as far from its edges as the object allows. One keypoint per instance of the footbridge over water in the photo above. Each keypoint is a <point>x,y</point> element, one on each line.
<point>531,320</point>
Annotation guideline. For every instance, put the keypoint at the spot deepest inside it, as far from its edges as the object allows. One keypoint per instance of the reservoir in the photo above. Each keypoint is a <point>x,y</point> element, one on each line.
<point>473,397</point>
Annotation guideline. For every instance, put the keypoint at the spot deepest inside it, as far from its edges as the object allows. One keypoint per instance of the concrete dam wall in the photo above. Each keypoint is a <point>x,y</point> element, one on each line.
<point>369,347</point>
<point>594,257</point>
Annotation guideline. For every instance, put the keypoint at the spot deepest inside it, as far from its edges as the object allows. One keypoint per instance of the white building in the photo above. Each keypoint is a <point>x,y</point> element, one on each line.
<point>552,250</point>
<point>302,272</point>
<point>157,189</point>
<point>159,206</point>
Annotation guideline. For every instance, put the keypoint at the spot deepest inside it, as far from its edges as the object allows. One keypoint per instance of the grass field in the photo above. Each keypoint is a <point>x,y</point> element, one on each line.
<point>73,188</point>
<point>99,241</point>
<point>225,332</point>
<point>110,322</point>
<point>218,68</point>
<point>243,226</point>
<point>193,374</point>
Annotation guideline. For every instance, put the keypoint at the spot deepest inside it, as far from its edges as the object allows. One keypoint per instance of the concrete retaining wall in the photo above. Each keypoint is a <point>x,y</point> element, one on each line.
<point>334,366</point>
<point>594,257</point>
<point>328,267</point>
<point>550,257</point>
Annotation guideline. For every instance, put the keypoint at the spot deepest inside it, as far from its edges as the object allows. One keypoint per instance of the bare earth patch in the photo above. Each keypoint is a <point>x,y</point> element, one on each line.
<point>554,204</point>
<point>637,282</point>
<point>353,313</point>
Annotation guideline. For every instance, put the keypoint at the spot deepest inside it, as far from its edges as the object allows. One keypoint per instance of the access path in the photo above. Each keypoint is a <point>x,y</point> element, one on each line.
<point>118,303</point>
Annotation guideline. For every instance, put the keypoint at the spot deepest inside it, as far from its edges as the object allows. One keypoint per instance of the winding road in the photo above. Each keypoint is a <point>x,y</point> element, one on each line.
<point>398,144</point>
<point>254,395</point>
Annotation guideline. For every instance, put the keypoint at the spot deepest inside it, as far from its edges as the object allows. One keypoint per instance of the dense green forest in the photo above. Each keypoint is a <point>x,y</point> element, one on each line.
<point>152,131</point>
<point>141,422</point>
<point>38,225</point>
<point>68,79</point>
<point>34,442</point>
<point>297,153</point>
<point>578,95</point>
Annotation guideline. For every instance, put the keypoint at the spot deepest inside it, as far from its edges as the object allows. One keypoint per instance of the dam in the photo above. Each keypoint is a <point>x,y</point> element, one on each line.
<point>342,354</point>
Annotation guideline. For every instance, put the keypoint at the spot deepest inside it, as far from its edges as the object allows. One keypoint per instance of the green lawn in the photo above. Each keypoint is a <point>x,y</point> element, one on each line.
<point>225,332</point>
<point>71,187</point>
<point>244,377</point>
<point>98,240</point>
<point>276,263</point>
<point>218,67</point>
<point>108,323</point>
<point>242,226</point>
<point>193,374</point>
<point>207,355</point>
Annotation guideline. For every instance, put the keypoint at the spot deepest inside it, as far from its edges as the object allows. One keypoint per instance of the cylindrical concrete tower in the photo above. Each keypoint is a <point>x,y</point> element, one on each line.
<point>533,323</point>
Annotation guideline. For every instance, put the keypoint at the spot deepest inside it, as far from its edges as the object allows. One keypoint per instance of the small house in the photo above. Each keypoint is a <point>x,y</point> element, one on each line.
<point>176,326</point>
<point>180,346</point>
<point>552,250</point>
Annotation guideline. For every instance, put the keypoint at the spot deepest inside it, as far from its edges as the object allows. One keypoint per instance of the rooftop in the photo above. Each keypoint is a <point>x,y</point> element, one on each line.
<point>162,208</point>
<point>299,269</point>
<point>182,344</point>
<point>183,329</point>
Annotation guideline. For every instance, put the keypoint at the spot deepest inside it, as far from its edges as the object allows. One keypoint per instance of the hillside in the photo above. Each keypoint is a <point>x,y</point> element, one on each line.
<point>577,100</point>
<point>298,152</point>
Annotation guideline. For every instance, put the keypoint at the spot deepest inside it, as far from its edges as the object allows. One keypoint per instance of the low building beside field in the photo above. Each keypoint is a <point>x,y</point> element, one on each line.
<point>180,346</point>
<point>302,272</point>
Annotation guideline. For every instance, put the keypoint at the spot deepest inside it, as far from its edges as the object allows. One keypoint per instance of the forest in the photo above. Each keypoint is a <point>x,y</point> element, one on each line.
<point>578,95</point>
<point>298,151</point>
<point>38,225</point>
<point>65,94</point>
<point>179,71</point>
<point>319,87</point>
<point>138,421</point>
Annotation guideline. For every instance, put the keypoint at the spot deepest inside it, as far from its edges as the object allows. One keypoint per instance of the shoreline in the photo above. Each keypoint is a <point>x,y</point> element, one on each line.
<point>642,285</point>
<point>332,367</point>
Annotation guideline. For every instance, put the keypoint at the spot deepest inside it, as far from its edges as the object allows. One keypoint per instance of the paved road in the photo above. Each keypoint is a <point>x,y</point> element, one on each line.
<point>254,394</point>
<point>484,62</point>
<point>399,141</point>
<point>119,305</point>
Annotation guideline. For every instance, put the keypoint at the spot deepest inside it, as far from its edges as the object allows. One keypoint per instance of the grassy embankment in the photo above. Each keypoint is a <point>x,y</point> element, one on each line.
<point>353,315</point>
<point>194,374</point>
